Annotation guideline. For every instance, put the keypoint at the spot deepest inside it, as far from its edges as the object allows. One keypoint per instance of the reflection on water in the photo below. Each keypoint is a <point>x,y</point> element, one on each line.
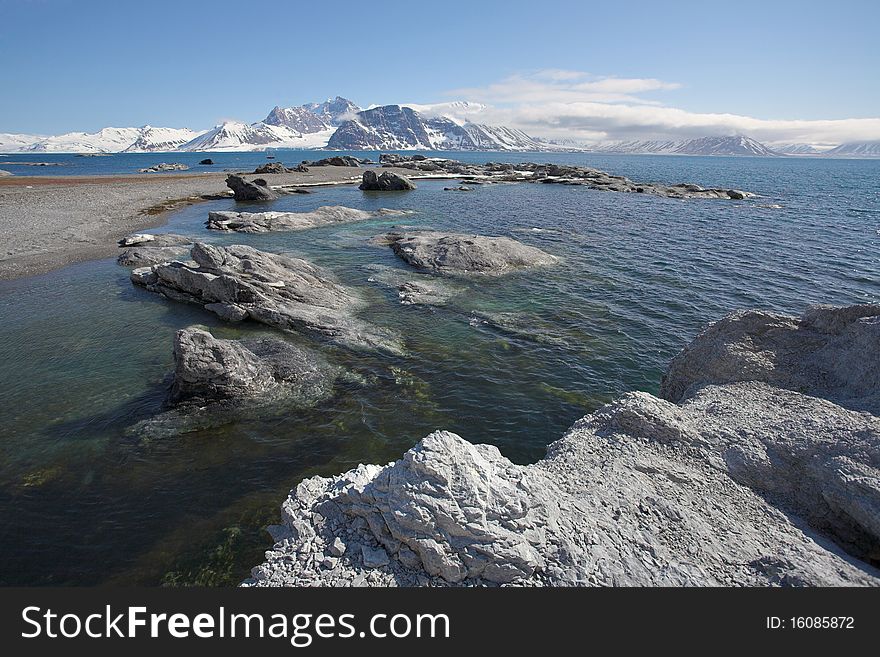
<point>511,361</point>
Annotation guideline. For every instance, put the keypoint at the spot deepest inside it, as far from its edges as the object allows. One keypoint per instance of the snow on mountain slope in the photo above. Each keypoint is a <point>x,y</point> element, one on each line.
<point>108,140</point>
<point>298,119</point>
<point>460,111</point>
<point>333,111</point>
<point>735,145</point>
<point>161,140</point>
<point>14,143</point>
<point>502,138</point>
<point>636,146</point>
<point>400,127</point>
<point>236,136</point>
<point>855,149</point>
<point>388,127</point>
<point>796,149</point>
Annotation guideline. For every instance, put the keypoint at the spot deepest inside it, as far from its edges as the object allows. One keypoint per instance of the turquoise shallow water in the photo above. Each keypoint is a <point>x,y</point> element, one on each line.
<point>85,354</point>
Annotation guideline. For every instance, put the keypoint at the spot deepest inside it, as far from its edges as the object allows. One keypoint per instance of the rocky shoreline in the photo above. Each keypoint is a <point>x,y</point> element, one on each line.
<point>49,222</point>
<point>759,465</point>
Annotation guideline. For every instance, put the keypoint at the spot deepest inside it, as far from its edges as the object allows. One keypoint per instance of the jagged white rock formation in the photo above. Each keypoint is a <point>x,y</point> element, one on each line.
<point>741,483</point>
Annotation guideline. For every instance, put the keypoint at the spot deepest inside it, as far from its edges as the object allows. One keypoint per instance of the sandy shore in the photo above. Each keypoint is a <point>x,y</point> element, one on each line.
<point>51,221</point>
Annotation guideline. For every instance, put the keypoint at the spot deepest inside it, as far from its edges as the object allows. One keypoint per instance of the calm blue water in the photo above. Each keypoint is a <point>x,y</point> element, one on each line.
<point>511,362</point>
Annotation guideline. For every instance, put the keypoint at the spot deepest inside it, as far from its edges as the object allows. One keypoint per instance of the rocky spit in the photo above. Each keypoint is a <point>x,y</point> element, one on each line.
<point>550,174</point>
<point>460,254</point>
<point>219,381</point>
<point>267,222</point>
<point>760,468</point>
<point>239,282</point>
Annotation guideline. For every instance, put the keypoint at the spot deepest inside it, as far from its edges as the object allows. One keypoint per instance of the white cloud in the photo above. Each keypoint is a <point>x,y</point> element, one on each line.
<point>556,103</point>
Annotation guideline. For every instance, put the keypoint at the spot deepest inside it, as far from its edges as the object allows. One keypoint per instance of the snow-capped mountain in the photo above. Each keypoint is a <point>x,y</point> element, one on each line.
<point>108,140</point>
<point>333,111</point>
<point>399,127</point>
<point>298,119</point>
<point>735,145</point>
<point>161,140</point>
<point>236,136</point>
<point>855,149</point>
<point>13,143</point>
<point>389,127</point>
<point>797,149</point>
<point>637,146</point>
<point>721,145</point>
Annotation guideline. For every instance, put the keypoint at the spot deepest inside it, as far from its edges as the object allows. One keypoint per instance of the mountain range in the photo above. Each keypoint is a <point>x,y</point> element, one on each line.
<point>339,124</point>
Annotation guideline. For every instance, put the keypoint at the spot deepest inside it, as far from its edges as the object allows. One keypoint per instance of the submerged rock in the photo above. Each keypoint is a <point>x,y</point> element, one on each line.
<point>458,254</point>
<point>244,190</point>
<point>739,484</point>
<point>266,222</point>
<point>239,282</point>
<point>420,290</point>
<point>218,381</point>
<point>387,182</point>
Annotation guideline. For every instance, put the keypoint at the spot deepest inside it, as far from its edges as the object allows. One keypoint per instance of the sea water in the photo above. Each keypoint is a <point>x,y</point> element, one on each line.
<point>511,361</point>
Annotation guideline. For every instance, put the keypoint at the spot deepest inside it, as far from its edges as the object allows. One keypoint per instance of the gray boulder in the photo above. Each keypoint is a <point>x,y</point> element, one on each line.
<point>632,495</point>
<point>460,254</point>
<point>145,249</point>
<point>239,282</point>
<point>219,381</point>
<point>266,222</point>
<point>828,352</point>
<point>338,161</point>
<point>244,190</point>
<point>271,167</point>
<point>387,182</point>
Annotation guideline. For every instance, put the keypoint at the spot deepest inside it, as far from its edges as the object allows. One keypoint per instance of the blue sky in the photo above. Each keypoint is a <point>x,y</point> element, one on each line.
<point>87,64</point>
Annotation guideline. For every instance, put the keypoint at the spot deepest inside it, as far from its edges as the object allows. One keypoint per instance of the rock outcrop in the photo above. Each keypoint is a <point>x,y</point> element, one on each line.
<point>531,172</point>
<point>244,190</point>
<point>271,167</point>
<point>337,161</point>
<point>145,249</point>
<point>164,166</point>
<point>741,483</point>
<point>828,352</point>
<point>387,182</point>
<point>239,282</point>
<point>461,254</point>
<point>217,381</point>
<point>206,162</point>
<point>267,222</point>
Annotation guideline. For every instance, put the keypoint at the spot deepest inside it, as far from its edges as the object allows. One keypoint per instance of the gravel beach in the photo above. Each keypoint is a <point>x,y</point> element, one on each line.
<point>51,221</point>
